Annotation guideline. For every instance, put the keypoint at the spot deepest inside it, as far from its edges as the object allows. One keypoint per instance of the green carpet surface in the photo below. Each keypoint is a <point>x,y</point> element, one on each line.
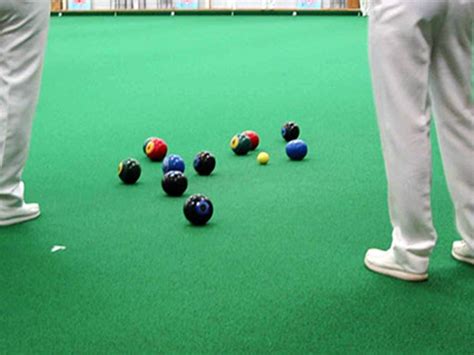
<point>280,266</point>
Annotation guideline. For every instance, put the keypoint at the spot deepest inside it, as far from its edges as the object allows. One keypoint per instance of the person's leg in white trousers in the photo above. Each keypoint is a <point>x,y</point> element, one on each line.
<point>454,114</point>
<point>23,32</point>
<point>418,48</point>
<point>365,7</point>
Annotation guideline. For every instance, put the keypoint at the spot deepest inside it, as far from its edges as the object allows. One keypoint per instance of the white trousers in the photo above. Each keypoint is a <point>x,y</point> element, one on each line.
<point>23,32</point>
<point>421,58</point>
<point>365,6</point>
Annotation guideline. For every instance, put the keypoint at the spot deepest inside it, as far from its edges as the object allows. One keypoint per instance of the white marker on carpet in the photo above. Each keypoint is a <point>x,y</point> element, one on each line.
<point>58,248</point>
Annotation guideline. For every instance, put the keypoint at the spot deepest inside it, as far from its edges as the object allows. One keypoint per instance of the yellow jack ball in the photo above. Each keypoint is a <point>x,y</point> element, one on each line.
<point>263,158</point>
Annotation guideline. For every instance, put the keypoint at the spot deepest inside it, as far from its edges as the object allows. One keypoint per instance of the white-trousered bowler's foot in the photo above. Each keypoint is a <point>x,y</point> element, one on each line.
<point>462,252</point>
<point>25,213</point>
<point>384,262</point>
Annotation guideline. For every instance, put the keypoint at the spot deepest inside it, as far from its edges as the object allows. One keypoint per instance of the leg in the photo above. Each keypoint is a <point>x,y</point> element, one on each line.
<point>22,41</point>
<point>454,111</point>
<point>365,6</point>
<point>400,51</point>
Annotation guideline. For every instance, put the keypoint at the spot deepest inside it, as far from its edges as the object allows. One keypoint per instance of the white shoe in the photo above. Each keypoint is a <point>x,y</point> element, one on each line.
<point>25,213</point>
<point>383,262</point>
<point>462,252</point>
